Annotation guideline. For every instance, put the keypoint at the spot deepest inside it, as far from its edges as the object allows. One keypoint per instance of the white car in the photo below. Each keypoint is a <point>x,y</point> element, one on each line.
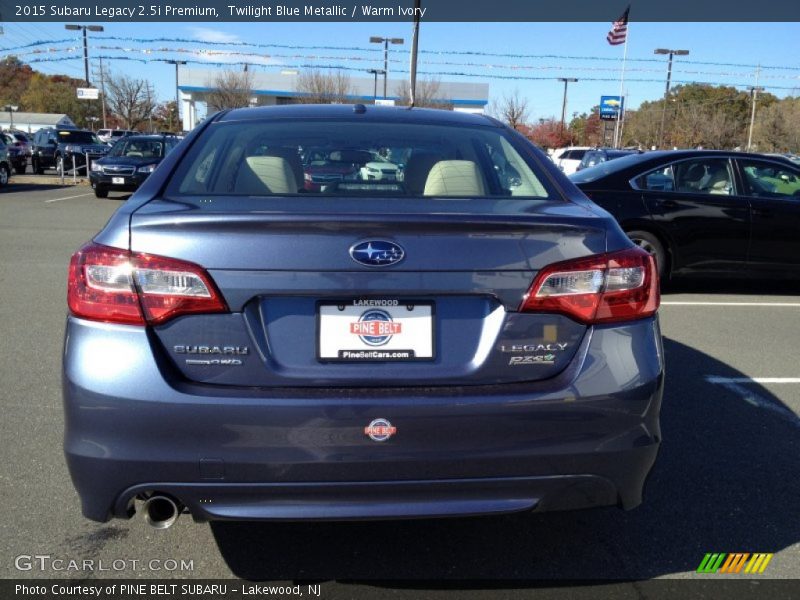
<point>568,159</point>
<point>380,170</point>
<point>110,136</point>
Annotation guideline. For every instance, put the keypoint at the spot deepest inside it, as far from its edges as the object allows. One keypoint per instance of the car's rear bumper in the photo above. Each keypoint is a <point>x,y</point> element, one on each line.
<point>587,437</point>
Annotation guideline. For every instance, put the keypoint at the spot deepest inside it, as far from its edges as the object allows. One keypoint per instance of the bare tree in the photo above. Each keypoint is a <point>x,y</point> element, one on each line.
<point>513,109</point>
<point>317,87</point>
<point>131,100</point>
<point>428,93</point>
<point>230,89</point>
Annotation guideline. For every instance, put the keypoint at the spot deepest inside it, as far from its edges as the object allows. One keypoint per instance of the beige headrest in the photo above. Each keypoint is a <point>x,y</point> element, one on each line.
<point>454,178</point>
<point>267,175</point>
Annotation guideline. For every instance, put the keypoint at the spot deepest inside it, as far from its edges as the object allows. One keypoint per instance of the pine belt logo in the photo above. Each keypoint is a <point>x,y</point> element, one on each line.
<point>736,562</point>
<point>375,327</point>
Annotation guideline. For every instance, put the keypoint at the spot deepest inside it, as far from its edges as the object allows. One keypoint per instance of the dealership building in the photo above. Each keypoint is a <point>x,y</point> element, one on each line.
<point>30,122</point>
<point>272,88</point>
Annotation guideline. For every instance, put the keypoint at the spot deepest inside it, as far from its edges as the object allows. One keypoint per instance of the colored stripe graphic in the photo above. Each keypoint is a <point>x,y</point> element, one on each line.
<point>735,562</point>
<point>711,563</point>
<point>722,562</point>
<point>758,563</point>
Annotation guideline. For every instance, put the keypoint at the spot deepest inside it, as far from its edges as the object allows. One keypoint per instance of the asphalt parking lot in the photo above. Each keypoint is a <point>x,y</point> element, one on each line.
<point>727,479</point>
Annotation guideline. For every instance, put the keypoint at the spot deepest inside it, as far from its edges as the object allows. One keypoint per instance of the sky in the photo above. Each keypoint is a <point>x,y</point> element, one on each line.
<point>774,46</point>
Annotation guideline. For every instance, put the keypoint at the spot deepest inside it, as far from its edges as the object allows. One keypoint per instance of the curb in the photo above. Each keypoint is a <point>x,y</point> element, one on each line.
<point>46,180</point>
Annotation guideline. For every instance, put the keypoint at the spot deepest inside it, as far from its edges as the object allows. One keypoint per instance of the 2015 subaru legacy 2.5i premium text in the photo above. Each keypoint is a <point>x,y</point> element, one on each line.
<point>472,336</point>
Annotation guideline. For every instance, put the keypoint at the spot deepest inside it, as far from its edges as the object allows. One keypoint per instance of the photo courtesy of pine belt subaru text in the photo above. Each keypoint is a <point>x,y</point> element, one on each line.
<point>350,312</point>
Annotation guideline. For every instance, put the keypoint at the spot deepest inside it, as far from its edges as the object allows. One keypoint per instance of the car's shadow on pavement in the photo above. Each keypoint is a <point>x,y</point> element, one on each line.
<point>727,479</point>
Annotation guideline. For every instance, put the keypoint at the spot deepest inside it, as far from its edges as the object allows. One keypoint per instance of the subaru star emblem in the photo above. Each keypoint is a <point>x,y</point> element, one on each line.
<point>377,253</point>
<point>380,430</point>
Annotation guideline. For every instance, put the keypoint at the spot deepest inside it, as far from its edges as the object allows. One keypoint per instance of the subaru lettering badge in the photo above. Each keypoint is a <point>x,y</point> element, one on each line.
<point>377,253</point>
<point>380,430</point>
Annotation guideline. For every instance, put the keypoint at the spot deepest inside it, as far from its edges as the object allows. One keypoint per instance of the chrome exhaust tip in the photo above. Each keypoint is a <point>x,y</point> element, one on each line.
<point>161,512</point>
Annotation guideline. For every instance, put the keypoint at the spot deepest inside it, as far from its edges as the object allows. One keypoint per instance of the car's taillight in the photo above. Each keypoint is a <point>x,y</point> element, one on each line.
<point>604,288</point>
<point>117,286</point>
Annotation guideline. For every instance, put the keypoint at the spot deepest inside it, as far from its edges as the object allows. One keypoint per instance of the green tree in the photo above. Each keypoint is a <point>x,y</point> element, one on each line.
<point>57,94</point>
<point>14,79</point>
<point>777,127</point>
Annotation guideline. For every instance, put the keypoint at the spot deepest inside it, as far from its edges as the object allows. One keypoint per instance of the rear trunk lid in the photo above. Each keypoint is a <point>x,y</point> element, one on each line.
<point>305,313</point>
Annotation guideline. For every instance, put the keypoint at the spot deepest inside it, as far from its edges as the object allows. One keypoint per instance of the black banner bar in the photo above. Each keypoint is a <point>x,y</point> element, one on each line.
<point>700,587</point>
<point>271,11</point>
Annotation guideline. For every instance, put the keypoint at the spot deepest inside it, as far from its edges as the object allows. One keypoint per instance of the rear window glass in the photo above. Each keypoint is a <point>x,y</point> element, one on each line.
<point>605,168</point>
<point>345,158</point>
<point>77,137</point>
<point>138,148</point>
<point>574,154</point>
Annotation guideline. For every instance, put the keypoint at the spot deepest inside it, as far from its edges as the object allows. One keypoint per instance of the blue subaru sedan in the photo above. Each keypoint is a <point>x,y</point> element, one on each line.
<point>464,333</point>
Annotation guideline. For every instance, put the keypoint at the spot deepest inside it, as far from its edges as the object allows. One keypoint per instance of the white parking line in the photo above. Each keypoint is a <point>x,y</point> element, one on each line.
<point>680,303</point>
<point>66,198</point>
<point>738,385</point>
<point>722,380</point>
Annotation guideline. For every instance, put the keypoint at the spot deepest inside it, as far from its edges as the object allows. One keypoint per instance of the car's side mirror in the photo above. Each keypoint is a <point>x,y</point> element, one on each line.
<point>52,143</point>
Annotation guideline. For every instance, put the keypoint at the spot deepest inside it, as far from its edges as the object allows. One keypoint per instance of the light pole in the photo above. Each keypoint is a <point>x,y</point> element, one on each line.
<point>385,41</point>
<point>666,91</point>
<point>567,81</point>
<point>177,64</point>
<point>11,110</point>
<point>375,72</point>
<point>85,28</point>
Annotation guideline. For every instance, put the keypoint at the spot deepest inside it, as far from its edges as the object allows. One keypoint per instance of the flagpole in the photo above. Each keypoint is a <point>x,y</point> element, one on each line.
<point>621,113</point>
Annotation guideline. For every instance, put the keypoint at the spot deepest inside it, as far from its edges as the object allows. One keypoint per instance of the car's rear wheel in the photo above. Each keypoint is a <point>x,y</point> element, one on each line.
<point>37,167</point>
<point>651,244</point>
<point>21,169</point>
<point>100,191</point>
<point>3,175</point>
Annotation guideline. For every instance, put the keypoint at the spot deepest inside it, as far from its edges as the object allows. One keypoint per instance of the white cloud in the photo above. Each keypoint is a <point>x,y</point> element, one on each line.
<point>207,34</point>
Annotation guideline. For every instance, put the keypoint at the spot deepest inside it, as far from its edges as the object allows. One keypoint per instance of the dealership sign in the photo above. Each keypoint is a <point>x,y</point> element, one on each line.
<point>88,93</point>
<point>611,107</point>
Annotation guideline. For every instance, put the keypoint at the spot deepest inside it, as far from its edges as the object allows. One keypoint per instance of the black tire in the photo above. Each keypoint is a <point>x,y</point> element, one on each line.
<point>37,167</point>
<point>100,192</point>
<point>20,170</point>
<point>650,243</point>
<point>4,174</point>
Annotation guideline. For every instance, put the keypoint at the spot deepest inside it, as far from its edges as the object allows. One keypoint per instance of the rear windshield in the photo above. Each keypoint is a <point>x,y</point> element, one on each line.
<point>138,148</point>
<point>77,137</point>
<point>605,168</point>
<point>344,158</point>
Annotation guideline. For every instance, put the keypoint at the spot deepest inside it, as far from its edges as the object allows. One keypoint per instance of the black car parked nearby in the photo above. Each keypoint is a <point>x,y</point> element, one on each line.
<point>129,162</point>
<point>56,149</point>
<point>704,211</point>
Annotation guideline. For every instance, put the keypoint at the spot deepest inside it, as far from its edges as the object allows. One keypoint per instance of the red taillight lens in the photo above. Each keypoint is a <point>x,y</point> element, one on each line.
<point>619,286</point>
<point>117,286</point>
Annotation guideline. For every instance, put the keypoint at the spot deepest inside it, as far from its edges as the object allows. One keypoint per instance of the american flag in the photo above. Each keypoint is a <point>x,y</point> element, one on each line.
<point>619,30</point>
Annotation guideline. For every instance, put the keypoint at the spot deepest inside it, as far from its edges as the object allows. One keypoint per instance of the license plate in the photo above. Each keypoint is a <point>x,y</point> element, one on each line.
<point>382,330</point>
<point>118,180</point>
